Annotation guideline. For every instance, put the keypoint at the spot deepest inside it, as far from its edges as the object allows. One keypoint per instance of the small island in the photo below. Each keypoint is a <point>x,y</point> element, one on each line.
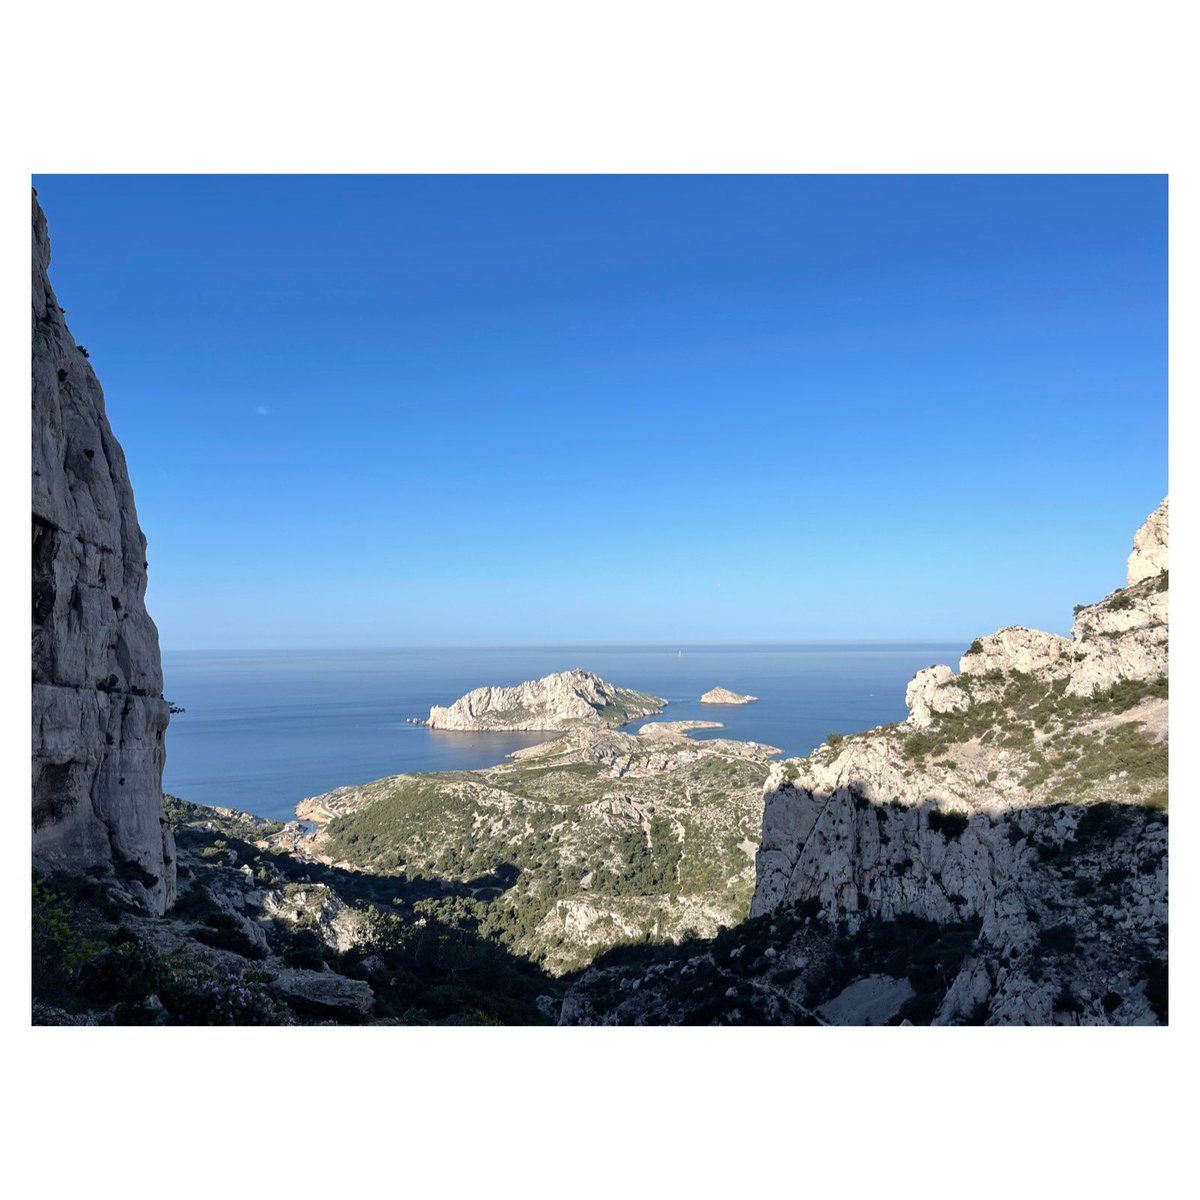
<point>555,703</point>
<point>721,695</point>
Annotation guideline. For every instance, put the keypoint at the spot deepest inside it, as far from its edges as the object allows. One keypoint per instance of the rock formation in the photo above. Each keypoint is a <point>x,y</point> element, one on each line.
<point>1123,637</point>
<point>556,702</point>
<point>1016,649</point>
<point>954,820</point>
<point>1000,857</point>
<point>722,695</point>
<point>99,718</point>
<point>932,692</point>
<point>1149,556</point>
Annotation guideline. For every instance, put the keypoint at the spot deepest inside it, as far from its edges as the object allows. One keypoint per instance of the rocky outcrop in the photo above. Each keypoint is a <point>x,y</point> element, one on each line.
<point>999,857</point>
<point>99,719</point>
<point>1016,649</point>
<point>1149,556</point>
<point>722,695</point>
<point>320,909</point>
<point>1124,637</point>
<point>952,817</point>
<point>932,692</point>
<point>556,702</point>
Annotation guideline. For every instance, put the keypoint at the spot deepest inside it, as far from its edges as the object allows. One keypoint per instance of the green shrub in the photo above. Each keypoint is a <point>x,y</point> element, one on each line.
<point>127,970</point>
<point>61,947</point>
<point>224,931</point>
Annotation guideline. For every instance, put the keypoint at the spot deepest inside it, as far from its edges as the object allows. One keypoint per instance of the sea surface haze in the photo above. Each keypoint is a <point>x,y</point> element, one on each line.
<point>262,730</point>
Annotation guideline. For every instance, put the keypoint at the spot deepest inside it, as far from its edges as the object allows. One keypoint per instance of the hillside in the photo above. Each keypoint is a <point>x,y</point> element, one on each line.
<point>1000,857</point>
<point>593,839</point>
<point>452,898</point>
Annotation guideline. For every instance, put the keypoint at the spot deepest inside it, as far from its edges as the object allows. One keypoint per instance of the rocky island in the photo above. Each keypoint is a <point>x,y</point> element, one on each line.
<point>553,703</point>
<point>722,695</point>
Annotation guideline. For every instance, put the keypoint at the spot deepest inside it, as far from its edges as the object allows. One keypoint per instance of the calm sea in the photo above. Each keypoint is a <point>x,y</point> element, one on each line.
<point>264,729</point>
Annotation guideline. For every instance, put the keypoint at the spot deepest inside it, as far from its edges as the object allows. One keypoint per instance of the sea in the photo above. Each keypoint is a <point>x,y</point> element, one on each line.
<point>262,730</point>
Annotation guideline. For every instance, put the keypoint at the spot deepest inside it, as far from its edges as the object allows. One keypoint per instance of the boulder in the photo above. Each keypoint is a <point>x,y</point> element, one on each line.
<point>322,993</point>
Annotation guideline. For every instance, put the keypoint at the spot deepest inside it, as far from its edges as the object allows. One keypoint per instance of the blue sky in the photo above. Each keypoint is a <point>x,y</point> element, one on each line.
<point>487,410</point>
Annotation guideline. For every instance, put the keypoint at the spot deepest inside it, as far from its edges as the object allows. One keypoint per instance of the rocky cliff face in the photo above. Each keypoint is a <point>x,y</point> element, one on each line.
<point>99,719</point>
<point>1000,857</point>
<point>1149,556</point>
<point>556,702</point>
<point>1044,749</point>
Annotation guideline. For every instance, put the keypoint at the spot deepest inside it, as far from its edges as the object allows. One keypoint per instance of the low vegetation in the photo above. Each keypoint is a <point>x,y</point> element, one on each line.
<point>1068,750</point>
<point>557,858</point>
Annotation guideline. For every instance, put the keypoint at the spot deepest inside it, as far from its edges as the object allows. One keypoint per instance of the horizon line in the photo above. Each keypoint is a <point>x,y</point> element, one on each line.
<point>767,644</point>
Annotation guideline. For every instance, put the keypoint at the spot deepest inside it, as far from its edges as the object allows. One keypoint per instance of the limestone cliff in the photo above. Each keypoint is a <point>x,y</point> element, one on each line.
<point>999,857</point>
<point>1044,749</point>
<point>555,703</point>
<point>1149,556</point>
<point>99,719</point>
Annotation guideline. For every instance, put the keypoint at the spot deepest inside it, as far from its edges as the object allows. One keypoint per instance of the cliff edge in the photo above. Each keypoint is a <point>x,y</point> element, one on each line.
<point>1026,793</point>
<point>99,719</point>
<point>999,857</point>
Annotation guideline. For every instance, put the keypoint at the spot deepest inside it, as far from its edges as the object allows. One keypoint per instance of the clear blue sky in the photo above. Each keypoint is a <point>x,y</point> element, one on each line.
<point>460,410</point>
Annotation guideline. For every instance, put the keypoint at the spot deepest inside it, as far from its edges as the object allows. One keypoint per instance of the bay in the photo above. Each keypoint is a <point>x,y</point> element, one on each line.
<point>264,729</point>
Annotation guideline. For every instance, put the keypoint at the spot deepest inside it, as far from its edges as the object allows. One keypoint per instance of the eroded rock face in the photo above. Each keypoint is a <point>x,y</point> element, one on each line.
<point>1017,649</point>
<point>555,702</point>
<point>1024,798</point>
<point>1124,637</point>
<point>1149,555</point>
<point>933,691</point>
<point>99,719</point>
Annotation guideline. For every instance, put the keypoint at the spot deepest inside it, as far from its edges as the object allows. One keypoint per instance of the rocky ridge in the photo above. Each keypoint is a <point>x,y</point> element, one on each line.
<point>99,718</point>
<point>553,703</point>
<point>999,857</point>
<point>570,847</point>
